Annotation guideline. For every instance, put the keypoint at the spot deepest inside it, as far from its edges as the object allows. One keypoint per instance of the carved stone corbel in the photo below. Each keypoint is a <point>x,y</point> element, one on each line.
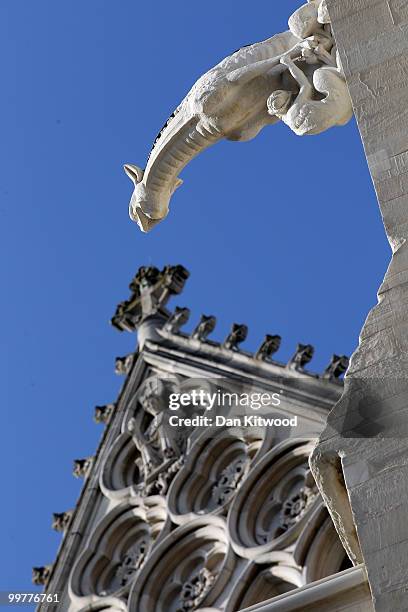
<point>337,367</point>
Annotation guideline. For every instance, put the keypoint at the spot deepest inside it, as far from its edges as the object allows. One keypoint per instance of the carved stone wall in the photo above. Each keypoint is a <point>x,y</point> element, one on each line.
<point>212,519</point>
<point>361,460</point>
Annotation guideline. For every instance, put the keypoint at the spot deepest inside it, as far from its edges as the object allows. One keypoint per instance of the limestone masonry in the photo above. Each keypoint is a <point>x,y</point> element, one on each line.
<point>213,518</point>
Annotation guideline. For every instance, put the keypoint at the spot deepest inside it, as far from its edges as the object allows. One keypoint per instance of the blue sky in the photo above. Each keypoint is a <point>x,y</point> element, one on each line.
<point>282,233</point>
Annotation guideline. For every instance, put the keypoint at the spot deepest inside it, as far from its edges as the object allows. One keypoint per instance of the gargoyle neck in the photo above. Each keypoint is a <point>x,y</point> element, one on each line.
<point>178,144</point>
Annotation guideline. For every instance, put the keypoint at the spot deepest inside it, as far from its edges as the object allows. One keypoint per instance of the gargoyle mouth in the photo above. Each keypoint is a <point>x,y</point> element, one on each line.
<point>145,222</point>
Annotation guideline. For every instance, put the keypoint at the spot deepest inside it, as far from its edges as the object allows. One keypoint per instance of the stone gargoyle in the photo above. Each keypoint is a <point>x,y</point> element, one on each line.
<point>295,76</point>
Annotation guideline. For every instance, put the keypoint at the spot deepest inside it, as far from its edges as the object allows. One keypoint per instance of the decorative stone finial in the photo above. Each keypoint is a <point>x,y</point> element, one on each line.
<point>82,467</point>
<point>123,365</point>
<point>60,521</point>
<point>269,346</point>
<point>179,318</point>
<point>205,327</point>
<point>304,354</point>
<point>151,290</point>
<point>103,413</point>
<point>41,575</point>
<point>237,335</point>
<point>337,366</point>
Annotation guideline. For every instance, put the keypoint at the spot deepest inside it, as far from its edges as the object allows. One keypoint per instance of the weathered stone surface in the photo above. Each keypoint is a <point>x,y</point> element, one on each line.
<point>361,460</point>
<point>347,592</point>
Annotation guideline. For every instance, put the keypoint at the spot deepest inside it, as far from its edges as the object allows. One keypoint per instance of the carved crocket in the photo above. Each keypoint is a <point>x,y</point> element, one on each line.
<point>234,100</point>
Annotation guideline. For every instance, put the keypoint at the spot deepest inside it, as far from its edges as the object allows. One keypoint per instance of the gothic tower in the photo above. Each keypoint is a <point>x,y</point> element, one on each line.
<point>183,515</point>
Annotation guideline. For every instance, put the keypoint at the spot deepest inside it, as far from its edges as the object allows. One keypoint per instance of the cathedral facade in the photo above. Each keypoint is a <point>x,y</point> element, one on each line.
<point>195,503</point>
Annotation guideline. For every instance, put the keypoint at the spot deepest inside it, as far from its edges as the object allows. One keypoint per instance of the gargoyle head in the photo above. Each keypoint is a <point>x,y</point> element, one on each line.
<point>147,207</point>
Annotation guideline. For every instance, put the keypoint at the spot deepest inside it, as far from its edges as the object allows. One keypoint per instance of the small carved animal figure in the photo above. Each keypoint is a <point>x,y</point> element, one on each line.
<point>302,112</point>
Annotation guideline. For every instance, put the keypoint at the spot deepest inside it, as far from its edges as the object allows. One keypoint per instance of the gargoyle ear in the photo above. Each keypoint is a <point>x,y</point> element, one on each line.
<point>134,173</point>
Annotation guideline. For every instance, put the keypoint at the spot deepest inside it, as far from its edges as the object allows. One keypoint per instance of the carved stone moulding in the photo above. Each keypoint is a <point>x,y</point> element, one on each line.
<point>275,501</point>
<point>318,549</point>
<point>260,582</point>
<point>117,550</point>
<point>109,604</point>
<point>187,571</point>
<point>214,470</point>
<point>122,469</point>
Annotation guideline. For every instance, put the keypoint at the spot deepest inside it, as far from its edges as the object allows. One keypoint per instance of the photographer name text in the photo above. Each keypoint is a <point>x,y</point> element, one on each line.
<point>238,421</point>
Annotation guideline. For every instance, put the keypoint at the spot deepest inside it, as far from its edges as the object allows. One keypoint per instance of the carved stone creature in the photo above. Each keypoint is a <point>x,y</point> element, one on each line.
<point>337,366</point>
<point>205,327</point>
<point>103,413</point>
<point>303,355</point>
<point>245,92</point>
<point>302,112</point>
<point>82,467</point>
<point>60,521</point>
<point>179,318</point>
<point>214,109</point>
<point>238,334</point>
<point>269,347</point>
<point>41,575</point>
<point>123,365</point>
